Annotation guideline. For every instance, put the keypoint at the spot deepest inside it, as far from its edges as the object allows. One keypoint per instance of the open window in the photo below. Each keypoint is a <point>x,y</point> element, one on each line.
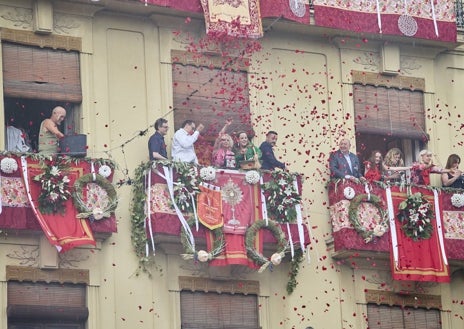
<point>210,89</point>
<point>35,80</point>
<point>387,117</point>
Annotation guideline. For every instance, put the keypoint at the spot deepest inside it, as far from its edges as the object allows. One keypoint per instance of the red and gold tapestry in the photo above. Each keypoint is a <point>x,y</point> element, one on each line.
<point>241,207</point>
<point>64,231</point>
<point>425,19</point>
<point>239,18</point>
<point>209,207</point>
<point>423,259</point>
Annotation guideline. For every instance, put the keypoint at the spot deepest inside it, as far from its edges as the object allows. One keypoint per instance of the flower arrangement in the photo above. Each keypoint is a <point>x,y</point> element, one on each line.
<point>55,188</point>
<point>8,165</point>
<point>457,200</point>
<point>208,173</point>
<point>186,185</point>
<point>281,196</point>
<point>415,215</point>
<point>252,177</point>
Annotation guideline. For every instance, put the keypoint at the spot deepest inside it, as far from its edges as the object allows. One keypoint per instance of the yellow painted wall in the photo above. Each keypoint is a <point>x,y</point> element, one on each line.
<point>127,84</point>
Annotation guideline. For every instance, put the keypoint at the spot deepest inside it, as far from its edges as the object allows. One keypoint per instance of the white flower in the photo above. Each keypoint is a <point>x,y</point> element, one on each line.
<point>53,196</point>
<point>55,171</point>
<point>252,177</point>
<point>203,256</point>
<point>66,179</point>
<point>104,171</point>
<point>97,213</point>
<point>379,230</point>
<point>457,200</point>
<point>282,182</point>
<point>208,173</point>
<point>8,165</point>
<point>276,259</point>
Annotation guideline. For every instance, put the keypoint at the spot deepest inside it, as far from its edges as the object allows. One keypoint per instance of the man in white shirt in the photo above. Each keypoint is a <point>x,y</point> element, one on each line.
<point>183,140</point>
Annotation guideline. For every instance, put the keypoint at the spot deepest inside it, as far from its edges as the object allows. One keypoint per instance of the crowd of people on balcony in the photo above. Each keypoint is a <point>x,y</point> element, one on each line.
<point>344,164</point>
<point>228,152</point>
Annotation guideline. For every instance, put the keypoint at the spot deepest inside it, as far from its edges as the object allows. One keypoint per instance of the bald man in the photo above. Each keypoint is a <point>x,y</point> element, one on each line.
<point>49,134</point>
<point>344,164</point>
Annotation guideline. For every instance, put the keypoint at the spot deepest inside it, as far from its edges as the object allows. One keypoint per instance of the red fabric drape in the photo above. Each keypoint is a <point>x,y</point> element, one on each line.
<point>420,260</point>
<point>63,231</point>
<point>356,20</point>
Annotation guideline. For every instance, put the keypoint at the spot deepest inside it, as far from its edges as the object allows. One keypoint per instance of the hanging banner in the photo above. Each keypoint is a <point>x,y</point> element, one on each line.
<point>239,18</point>
<point>209,207</point>
<point>425,19</point>
<point>420,259</point>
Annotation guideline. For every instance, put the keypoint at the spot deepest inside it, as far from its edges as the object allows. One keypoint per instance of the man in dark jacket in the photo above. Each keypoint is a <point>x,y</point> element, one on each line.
<point>268,158</point>
<point>344,164</point>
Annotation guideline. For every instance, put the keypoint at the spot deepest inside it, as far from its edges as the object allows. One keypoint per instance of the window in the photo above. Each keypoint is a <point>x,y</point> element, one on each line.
<point>37,305</point>
<point>35,80</point>
<point>207,310</point>
<point>389,113</point>
<point>209,90</point>
<point>396,317</point>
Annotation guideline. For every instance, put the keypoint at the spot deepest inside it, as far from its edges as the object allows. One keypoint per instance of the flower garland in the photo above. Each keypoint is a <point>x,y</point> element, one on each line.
<point>202,255</point>
<point>457,200</point>
<point>415,215</point>
<point>252,177</point>
<point>208,173</point>
<point>94,213</point>
<point>185,185</point>
<point>8,165</point>
<point>254,255</point>
<point>380,228</point>
<point>55,187</point>
<point>281,196</point>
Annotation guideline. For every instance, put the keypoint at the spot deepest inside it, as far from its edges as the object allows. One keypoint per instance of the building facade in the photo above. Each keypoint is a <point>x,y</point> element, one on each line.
<point>118,65</point>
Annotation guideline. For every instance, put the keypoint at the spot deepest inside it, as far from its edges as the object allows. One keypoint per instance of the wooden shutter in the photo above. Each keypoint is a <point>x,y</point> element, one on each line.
<point>396,317</point>
<point>46,301</point>
<point>200,310</point>
<point>41,73</point>
<point>389,111</point>
<point>210,95</point>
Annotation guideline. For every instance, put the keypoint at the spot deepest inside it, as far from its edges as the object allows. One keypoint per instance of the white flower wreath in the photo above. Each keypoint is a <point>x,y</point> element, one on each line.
<point>104,171</point>
<point>252,177</point>
<point>8,165</point>
<point>208,173</point>
<point>457,200</point>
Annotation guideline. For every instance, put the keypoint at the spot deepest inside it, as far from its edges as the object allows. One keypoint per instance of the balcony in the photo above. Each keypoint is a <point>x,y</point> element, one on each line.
<point>217,216</point>
<point>86,206</point>
<point>361,228</point>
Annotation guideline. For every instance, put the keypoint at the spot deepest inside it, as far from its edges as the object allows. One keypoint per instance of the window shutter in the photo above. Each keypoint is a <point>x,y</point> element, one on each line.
<point>41,73</point>
<point>200,310</point>
<point>389,111</point>
<point>396,317</point>
<point>46,301</point>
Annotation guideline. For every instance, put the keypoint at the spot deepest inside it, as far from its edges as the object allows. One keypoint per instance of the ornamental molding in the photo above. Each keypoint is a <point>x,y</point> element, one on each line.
<point>34,274</point>
<point>409,64</point>
<point>27,256</point>
<point>404,300</point>
<point>50,41</point>
<point>71,258</point>
<point>19,17</point>
<point>369,60</point>
<point>65,24</point>
<point>219,286</point>
<point>377,79</point>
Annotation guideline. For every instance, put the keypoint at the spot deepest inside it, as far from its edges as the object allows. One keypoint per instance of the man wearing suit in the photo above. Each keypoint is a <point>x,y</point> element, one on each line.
<point>344,164</point>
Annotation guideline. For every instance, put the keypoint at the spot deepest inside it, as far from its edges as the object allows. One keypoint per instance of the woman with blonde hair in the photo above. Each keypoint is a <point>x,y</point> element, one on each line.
<point>393,164</point>
<point>420,172</point>
<point>223,156</point>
